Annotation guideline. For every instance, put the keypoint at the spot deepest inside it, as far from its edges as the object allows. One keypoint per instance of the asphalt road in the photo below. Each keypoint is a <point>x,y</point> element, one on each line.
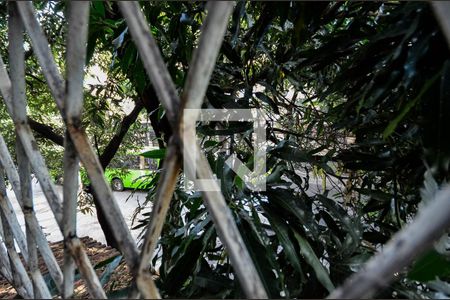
<point>87,225</point>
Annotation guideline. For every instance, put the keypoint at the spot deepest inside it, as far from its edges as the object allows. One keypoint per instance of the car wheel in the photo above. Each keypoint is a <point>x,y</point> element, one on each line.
<point>117,184</point>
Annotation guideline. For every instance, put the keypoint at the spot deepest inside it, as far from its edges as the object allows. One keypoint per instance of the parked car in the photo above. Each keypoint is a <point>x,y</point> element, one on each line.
<point>121,179</point>
<point>131,171</point>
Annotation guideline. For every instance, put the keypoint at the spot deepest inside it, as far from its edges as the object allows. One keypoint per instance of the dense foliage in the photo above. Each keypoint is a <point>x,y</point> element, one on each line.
<point>354,93</point>
<point>356,103</point>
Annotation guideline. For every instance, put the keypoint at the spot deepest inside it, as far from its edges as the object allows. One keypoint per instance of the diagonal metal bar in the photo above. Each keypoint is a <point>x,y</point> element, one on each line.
<point>76,55</point>
<point>152,59</point>
<point>32,222</point>
<point>442,11</point>
<point>16,66</point>
<point>21,282</point>
<point>87,155</point>
<point>164,193</point>
<point>19,275</point>
<point>195,88</point>
<point>73,245</point>
<point>414,239</point>
<point>30,146</point>
<point>5,267</point>
<point>27,139</point>
<point>196,84</point>
<point>17,70</point>
<point>165,189</point>
<point>11,219</point>
<point>42,51</point>
<point>400,251</point>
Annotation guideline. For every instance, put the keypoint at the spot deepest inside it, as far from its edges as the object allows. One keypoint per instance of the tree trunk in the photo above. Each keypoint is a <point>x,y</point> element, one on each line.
<point>105,158</point>
<point>162,130</point>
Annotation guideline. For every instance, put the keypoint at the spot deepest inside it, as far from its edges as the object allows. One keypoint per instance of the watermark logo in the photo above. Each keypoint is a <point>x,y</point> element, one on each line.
<point>196,178</point>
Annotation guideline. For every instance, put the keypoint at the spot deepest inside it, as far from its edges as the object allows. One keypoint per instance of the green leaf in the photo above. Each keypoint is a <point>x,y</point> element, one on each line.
<point>282,231</point>
<point>210,143</point>
<point>184,264</point>
<point>106,262</point>
<point>375,194</point>
<point>268,100</point>
<point>394,123</point>
<point>155,154</point>
<point>293,206</point>
<point>264,257</point>
<point>109,270</point>
<point>213,283</point>
<point>111,264</point>
<point>314,262</point>
<point>429,266</point>
<point>352,226</point>
<point>98,8</point>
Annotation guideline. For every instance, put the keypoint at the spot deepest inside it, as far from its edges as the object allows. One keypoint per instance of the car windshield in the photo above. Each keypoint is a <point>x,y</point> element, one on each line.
<point>135,162</point>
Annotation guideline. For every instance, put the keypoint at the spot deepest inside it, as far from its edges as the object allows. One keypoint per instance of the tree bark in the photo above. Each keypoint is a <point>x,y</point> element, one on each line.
<point>46,131</point>
<point>105,159</point>
<point>111,149</point>
<point>162,128</point>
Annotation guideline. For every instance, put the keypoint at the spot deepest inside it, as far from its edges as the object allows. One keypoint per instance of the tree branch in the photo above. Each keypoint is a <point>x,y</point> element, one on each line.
<point>46,131</point>
<point>113,145</point>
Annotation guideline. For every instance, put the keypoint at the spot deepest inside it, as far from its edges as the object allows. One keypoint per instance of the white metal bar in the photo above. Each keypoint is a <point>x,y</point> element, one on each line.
<point>5,268</point>
<point>36,231</point>
<point>27,139</point>
<point>197,81</point>
<point>69,211</point>
<point>84,266</point>
<point>151,58</point>
<point>205,56</point>
<point>164,193</point>
<point>76,55</point>
<point>413,239</point>
<point>5,87</point>
<point>400,251</point>
<point>160,77</point>
<point>86,153</point>
<point>70,191</point>
<point>42,51</point>
<point>11,219</point>
<point>442,12</point>
<point>17,71</point>
<point>30,146</point>
<point>38,164</point>
<point>19,274</point>
<point>22,282</point>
